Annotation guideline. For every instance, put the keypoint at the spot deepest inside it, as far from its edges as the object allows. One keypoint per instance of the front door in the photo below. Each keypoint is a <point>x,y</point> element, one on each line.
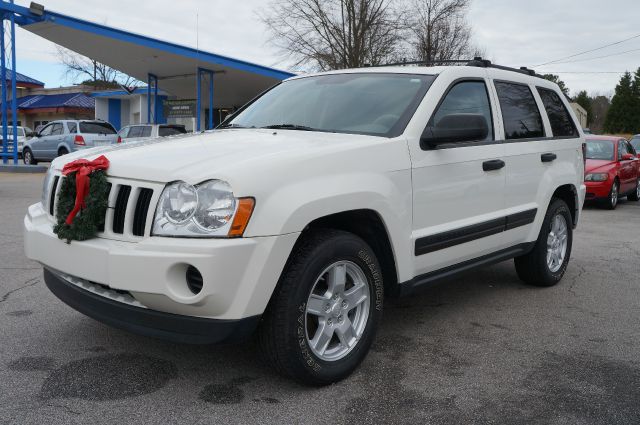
<point>458,188</point>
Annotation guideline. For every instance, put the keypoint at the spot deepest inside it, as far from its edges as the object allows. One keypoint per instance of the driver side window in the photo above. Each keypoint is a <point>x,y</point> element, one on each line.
<point>46,131</point>
<point>467,97</point>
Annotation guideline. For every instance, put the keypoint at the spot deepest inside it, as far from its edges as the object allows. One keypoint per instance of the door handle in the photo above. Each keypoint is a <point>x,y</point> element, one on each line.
<point>494,164</point>
<point>548,157</point>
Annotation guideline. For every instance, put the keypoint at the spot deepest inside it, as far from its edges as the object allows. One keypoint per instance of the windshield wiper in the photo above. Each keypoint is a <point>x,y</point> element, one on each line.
<point>230,125</point>
<point>290,127</point>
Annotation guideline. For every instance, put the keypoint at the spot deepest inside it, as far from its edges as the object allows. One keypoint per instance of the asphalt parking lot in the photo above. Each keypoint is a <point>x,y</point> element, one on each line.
<point>481,349</point>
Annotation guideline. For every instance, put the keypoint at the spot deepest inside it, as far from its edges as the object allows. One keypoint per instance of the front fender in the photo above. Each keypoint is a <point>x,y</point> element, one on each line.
<point>292,207</point>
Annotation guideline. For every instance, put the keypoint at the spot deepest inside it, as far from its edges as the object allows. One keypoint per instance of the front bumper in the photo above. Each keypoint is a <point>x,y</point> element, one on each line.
<point>238,275</point>
<point>598,190</point>
<point>140,320</point>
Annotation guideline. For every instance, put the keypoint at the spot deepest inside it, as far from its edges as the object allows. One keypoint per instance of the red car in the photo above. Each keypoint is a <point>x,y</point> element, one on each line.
<point>612,170</point>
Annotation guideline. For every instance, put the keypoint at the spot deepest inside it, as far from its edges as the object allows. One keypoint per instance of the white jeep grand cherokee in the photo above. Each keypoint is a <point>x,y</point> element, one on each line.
<point>317,199</point>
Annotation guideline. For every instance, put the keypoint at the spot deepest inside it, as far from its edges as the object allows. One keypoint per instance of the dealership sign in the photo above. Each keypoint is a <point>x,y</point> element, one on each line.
<point>179,108</point>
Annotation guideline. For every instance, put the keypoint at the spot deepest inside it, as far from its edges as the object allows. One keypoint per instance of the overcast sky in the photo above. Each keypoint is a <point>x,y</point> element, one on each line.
<point>512,32</point>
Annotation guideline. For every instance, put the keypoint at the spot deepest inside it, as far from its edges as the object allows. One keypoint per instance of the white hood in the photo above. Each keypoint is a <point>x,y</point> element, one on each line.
<point>220,154</point>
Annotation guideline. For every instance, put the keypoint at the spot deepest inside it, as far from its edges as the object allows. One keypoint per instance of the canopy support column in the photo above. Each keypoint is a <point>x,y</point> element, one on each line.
<point>3,87</point>
<point>14,100</point>
<point>209,124</point>
<point>152,79</point>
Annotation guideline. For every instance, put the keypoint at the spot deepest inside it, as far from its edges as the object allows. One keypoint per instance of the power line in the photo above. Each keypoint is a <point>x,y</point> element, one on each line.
<point>589,51</point>
<point>598,57</point>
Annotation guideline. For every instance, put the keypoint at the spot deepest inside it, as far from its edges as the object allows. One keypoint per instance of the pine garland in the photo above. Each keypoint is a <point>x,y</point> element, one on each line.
<point>86,224</point>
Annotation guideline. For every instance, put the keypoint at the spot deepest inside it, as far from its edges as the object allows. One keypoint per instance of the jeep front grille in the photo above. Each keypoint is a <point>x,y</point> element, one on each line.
<point>130,208</point>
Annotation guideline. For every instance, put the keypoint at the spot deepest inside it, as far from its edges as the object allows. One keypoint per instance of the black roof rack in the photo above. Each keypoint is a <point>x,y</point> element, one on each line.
<point>477,61</point>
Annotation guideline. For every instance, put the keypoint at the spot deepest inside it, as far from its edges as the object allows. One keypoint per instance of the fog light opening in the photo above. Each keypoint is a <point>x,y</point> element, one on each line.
<point>194,280</point>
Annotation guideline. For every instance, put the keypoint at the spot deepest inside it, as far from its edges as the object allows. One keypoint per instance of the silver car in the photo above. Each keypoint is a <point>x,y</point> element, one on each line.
<point>24,134</point>
<point>64,136</point>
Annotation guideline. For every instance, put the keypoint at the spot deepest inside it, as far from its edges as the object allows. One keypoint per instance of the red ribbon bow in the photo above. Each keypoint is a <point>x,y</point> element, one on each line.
<point>83,168</point>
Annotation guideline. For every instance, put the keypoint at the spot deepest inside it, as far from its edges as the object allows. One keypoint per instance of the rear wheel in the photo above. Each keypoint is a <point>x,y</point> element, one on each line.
<point>324,313</point>
<point>546,263</point>
<point>27,157</point>
<point>62,151</point>
<point>612,201</point>
<point>635,196</point>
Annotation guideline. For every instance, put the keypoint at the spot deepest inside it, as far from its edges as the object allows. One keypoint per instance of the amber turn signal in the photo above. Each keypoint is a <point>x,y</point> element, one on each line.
<point>243,214</point>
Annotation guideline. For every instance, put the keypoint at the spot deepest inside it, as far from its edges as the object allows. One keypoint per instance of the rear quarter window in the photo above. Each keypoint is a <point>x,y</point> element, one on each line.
<point>73,127</point>
<point>561,123</point>
<point>520,112</point>
<point>170,130</point>
<point>96,128</point>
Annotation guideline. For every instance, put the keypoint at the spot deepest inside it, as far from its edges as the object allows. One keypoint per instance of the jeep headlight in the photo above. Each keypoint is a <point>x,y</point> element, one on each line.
<point>208,209</point>
<point>596,177</point>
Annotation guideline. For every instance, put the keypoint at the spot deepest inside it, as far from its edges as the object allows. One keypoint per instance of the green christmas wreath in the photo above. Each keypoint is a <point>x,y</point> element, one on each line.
<point>90,219</point>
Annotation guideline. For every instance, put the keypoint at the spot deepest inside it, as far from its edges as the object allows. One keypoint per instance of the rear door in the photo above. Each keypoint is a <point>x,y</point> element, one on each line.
<point>540,149</point>
<point>96,133</point>
<point>458,188</point>
<point>54,139</point>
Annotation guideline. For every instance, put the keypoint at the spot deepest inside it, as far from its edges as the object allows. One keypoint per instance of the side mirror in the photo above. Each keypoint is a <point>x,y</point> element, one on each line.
<point>455,128</point>
<point>639,156</point>
<point>627,157</point>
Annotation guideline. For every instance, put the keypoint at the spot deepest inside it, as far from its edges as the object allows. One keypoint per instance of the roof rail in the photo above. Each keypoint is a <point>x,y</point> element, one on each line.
<point>485,63</point>
<point>433,62</point>
<point>477,61</point>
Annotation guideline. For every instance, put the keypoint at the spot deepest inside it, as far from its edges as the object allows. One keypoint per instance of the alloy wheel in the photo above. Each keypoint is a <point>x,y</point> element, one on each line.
<point>557,243</point>
<point>337,310</point>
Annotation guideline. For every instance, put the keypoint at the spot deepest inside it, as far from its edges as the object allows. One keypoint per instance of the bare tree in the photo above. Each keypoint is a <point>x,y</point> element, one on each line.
<point>78,67</point>
<point>334,34</point>
<point>439,32</point>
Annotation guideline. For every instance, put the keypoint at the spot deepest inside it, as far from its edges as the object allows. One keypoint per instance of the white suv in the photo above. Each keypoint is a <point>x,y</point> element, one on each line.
<point>318,199</point>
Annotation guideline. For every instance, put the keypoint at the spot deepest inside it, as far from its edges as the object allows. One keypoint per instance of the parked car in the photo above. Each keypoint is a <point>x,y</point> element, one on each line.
<point>318,199</point>
<point>612,170</point>
<point>24,134</point>
<point>61,137</point>
<point>635,142</point>
<point>147,131</point>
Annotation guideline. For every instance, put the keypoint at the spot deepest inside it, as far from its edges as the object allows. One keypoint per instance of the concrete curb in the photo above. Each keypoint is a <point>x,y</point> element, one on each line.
<point>11,168</point>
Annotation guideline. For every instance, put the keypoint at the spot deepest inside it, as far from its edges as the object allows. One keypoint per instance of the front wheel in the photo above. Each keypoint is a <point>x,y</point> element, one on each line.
<point>324,313</point>
<point>612,201</point>
<point>546,263</point>
<point>27,157</point>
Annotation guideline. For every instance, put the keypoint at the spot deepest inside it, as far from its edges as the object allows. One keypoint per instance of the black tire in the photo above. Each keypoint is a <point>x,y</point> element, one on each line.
<point>635,195</point>
<point>533,268</point>
<point>62,151</point>
<point>614,196</point>
<point>27,157</point>
<point>283,330</point>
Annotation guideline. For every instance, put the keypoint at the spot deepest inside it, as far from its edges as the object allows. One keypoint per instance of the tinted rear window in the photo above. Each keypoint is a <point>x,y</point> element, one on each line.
<point>519,111</point>
<point>635,142</point>
<point>561,122</point>
<point>96,128</point>
<point>600,149</point>
<point>171,130</point>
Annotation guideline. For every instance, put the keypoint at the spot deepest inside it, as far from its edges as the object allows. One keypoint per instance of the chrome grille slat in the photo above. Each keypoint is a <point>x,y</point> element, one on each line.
<point>52,196</point>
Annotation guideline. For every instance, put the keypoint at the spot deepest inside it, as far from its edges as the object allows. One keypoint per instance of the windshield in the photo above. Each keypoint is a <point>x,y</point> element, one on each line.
<point>600,149</point>
<point>635,142</point>
<point>365,103</point>
<point>88,127</point>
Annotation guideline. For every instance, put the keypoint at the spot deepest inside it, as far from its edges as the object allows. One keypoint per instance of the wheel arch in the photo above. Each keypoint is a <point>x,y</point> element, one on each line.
<point>370,226</point>
<point>569,194</point>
